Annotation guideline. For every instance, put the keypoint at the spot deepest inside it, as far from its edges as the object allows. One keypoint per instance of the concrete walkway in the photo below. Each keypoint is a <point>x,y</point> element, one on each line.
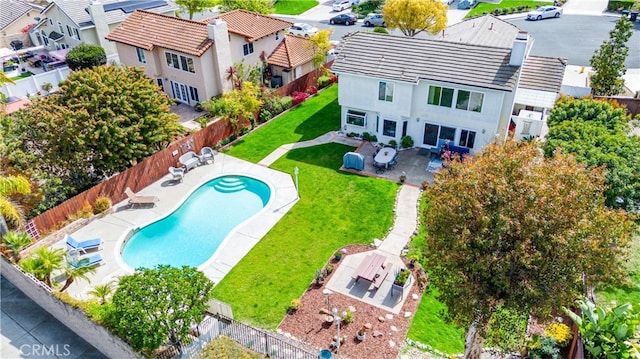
<point>326,138</point>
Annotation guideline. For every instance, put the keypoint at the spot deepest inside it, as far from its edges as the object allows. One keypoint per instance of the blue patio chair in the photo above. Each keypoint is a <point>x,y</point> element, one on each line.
<point>95,259</point>
<point>83,246</point>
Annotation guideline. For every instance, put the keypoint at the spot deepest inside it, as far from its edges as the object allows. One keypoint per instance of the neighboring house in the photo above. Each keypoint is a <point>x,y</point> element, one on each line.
<point>190,59</point>
<point>66,23</point>
<point>16,16</point>
<point>461,92</point>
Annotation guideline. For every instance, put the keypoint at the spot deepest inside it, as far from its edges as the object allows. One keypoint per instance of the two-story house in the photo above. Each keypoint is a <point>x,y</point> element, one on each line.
<point>190,60</point>
<point>16,17</point>
<point>461,92</point>
<point>66,23</point>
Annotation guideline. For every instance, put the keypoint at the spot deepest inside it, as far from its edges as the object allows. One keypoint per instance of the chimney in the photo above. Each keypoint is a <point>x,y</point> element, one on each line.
<point>218,32</point>
<point>99,18</point>
<point>519,49</point>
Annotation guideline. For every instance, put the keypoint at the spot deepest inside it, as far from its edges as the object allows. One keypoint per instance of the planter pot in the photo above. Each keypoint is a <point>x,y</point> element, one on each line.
<point>401,288</point>
<point>361,337</point>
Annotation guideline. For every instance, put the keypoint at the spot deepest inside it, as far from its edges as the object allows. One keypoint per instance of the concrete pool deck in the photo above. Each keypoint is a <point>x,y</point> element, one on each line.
<point>113,228</point>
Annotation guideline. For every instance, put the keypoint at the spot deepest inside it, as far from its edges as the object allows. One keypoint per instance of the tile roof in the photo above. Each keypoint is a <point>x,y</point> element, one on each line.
<point>291,52</point>
<point>12,10</point>
<point>251,25</point>
<point>542,73</point>
<point>412,59</point>
<point>487,30</point>
<point>78,13</point>
<point>146,30</point>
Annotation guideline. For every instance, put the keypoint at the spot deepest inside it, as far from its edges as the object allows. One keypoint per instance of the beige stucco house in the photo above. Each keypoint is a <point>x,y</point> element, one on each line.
<point>189,59</point>
<point>16,16</point>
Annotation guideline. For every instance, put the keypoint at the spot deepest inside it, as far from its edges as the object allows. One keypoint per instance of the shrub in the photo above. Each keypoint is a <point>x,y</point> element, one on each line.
<point>323,81</point>
<point>560,332</point>
<point>380,30</point>
<point>542,346</point>
<point>505,10</point>
<point>507,330</point>
<point>347,316</point>
<point>299,97</point>
<point>393,143</point>
<point>369,137</point>
<point>286,102</point>
<point>406,142</point>
<point>265,115</point>
<point>333,79</point>
<point>312,90</point>
<point>294,305</point>
<point>496,11</point>
<point>101,205</point>
<point>86,56</point>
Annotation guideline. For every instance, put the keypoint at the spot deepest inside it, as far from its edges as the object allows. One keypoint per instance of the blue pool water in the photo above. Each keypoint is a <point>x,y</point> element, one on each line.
<point>192,233</point>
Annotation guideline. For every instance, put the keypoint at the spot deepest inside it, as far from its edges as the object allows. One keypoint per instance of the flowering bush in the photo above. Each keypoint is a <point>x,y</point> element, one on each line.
<point>312,90</point>
<point>299,97</point>
<point>333,79</point>
<point>560,332</point>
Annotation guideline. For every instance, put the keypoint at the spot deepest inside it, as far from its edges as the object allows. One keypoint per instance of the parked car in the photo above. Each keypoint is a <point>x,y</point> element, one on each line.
<point>374,20</point>
<point>448,2</point>
<point>340,5</point>
<point>466,4</point>
<point>347,19</point>
<point>302,29</point>
<point>544,12</point>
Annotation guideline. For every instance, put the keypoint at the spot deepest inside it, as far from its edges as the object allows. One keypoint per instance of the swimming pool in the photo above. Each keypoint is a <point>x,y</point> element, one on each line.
<point>193,232</point>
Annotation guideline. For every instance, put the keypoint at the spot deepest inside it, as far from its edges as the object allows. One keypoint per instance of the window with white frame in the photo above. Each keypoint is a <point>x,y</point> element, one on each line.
<point>194,94</point>
<point>140,53</point>
<point>60,28</point>
<point>45,38</point>
<point>356,118</point>
<point>180,62</point>
<point>467,138</point>
<point>469,100</point>
<point>440,96</point>
<point>389,128</point>
<point>434,133</point>
<point>75,30</point>
<point>385,91</point>
<point>247,48</point>
<point>69,31</point>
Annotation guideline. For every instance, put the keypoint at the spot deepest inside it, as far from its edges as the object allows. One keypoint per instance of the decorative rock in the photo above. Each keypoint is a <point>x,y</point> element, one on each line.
<point>352,309</point>
<point>368,326</point>
<point>287,335</point>
<point>381,319</point>
<point>414,296</point>
<point>407,314</point>
<point>392,344</point>
<point>389,316</point>
<point>377,333</point>
<point>279,331</point>
<point>325,311</point>
<point>343,251</point>
<point>393,328</point>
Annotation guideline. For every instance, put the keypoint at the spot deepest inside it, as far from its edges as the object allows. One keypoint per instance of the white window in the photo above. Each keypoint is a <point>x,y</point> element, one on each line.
<point>470,101</point>
<point>440,96</point>
<point>194,94</point>
<point>247,48</point>
<point>467,138</point>
<point>75,30</point>
<point>45,38</point>
<point>140,53</point>
<point>385,91</point>
<point>180,62</point>
<point>389,128</point>
<point>356,118</point>
<point>60,28</point>
<point>69,31</point>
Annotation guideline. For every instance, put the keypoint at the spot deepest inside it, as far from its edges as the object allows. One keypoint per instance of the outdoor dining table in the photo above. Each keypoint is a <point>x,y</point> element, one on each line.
<point>385,156</point>
<point>369,267</point>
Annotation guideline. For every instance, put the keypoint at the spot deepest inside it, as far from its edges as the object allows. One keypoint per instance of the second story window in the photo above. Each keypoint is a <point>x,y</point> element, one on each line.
<point>247,48</point>
<point>470,101</point>
<point>141,57</point>
<point>440,96</point>
<point>180,62</point>
<point>385,91</point>
<point>60,28</point>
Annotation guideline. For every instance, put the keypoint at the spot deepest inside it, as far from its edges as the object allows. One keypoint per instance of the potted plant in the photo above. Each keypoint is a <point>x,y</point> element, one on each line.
<point>319,277</point>
<point>361,333</point>
<point>401,281</point>
<point>47,86</point>
<point>337,256</point>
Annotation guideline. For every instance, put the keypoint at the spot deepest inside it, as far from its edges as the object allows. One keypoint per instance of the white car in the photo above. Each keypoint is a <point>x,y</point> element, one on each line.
<point>544,12</point>
<point>448,2</point>
<point>302,29</point>
<point>340,5</point>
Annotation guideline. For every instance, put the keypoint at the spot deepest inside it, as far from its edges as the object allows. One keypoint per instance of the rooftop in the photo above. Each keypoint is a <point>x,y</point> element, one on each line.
<point>291,52</point>
<point>251,25</point>
<point>12,10</point>
<point>542,73</point>
<point>487,30</point>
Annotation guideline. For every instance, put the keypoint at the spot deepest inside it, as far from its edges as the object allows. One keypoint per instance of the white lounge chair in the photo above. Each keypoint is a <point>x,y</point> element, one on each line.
<point>176,173</point>
<point>206,155</point>
<point>135,199</point>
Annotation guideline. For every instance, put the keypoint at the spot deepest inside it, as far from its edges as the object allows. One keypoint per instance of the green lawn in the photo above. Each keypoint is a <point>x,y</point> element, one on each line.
<point>629,293</point>
<point>334,210</point>
<point>488,7</point>
<point>314,117</point>
<point>294,7</point>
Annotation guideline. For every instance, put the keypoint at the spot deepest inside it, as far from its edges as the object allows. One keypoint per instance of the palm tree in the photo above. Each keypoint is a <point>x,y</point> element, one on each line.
<point>14,242</point>
<point>10,211</point>
<point>43,262</point>
<point>79,271</point>
<point>103,291</point>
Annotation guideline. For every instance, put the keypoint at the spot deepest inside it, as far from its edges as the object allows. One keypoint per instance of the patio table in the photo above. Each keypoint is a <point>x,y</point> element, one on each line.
<point>385,156</point>
<point>368,268</point>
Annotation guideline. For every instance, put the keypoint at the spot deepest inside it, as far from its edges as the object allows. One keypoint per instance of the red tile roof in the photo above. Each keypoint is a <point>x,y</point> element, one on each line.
<point>251,25</point>
<point>293,51</point>
<point>146,30</point>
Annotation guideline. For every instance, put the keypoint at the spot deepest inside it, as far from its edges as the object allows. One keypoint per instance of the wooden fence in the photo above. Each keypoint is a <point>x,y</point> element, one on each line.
<point>137,177</point>
<point>303,83</point>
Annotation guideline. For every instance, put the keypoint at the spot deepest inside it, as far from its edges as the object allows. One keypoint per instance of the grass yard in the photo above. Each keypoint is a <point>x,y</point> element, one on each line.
<point>294,7</point>
<point>625,294</point>
<point>335,209</point>
<point>314,117</point>
<point>488,7</point>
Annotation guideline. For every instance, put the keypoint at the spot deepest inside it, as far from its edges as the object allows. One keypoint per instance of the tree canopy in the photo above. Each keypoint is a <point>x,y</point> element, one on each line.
<point>101,121</point>
<point>598,133</point>
<point>510,227</point>
<point>10,211</point>
<point>86,56</point>
<point>196,6</point>
<point>321,45</point>
<point>415,16</point>
<point>163,302</point>
<point>260,6</point>
<point>608,61</point>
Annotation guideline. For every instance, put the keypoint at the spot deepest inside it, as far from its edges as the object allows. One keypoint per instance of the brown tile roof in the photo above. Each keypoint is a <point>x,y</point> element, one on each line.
<point>293,51</point>
<point>251,25</point>
<point>146,30</point>
<point>542,73</point>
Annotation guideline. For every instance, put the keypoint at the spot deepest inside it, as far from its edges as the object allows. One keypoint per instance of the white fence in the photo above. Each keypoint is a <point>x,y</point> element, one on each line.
<point>29,86</point>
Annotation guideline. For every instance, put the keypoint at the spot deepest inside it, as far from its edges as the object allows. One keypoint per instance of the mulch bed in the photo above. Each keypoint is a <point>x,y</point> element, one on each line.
<point>309,324</point>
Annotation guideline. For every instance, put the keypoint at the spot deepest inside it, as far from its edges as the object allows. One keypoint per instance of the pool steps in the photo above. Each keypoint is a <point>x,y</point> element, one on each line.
<point>230,184</point>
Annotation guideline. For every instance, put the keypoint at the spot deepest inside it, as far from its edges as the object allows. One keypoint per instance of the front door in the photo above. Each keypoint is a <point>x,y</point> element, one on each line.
<point>180,92</point>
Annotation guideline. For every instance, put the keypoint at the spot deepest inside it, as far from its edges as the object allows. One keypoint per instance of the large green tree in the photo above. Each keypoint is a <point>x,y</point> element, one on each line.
<point>415,16</point>
<point>608,61</point>
<point>260,6</point>
<point>196,6</point>
<point>511,228</point>
<point>598,133</point>
<point>163,303</point>
<point>101,121</point>
<point>86,56</point>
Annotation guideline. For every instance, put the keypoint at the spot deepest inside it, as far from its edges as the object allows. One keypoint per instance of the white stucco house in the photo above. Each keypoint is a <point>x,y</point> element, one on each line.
<point>437,91</point>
